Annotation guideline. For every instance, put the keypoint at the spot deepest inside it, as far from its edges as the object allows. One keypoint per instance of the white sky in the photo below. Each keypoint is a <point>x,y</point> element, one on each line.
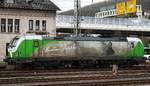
<point>69,4</point>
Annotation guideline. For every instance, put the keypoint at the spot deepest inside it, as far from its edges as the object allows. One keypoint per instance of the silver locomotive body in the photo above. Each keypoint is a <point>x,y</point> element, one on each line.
<point>79,49</point>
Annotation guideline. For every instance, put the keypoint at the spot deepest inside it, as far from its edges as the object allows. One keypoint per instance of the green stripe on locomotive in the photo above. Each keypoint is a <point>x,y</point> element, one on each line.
<point>27,48</point>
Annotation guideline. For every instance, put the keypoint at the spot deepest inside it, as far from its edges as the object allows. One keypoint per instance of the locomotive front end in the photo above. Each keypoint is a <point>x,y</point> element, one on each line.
<point>11,49</point>
<point>136,48</point>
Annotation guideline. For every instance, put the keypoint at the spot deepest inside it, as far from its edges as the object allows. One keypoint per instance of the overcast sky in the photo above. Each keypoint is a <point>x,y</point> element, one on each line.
<point>69,4</point>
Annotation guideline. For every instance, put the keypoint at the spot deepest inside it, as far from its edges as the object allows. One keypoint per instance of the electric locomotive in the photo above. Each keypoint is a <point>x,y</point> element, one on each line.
<point>73,51</point>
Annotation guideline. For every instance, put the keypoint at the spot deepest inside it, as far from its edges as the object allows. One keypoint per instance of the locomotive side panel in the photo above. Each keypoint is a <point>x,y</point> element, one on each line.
<point>100,49</point>
<point>57,50</point>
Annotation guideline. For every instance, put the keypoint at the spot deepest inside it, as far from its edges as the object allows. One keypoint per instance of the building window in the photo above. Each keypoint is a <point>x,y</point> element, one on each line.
<point>17,25</point>
<point>3,25</point>
<point>30,25</point>
<point>44,25</point>
<point>10,25</point>
<point>37,25</point>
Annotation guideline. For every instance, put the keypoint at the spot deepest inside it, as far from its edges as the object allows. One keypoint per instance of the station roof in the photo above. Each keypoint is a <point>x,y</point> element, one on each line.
<point>90,10</point>
<point>43,5</point>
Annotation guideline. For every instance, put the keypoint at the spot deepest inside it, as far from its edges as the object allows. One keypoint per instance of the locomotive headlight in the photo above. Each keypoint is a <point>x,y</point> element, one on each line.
<point>11,49</point>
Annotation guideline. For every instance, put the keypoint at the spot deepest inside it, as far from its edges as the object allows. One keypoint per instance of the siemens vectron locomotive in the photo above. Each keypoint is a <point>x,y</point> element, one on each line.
<point>73,51</point>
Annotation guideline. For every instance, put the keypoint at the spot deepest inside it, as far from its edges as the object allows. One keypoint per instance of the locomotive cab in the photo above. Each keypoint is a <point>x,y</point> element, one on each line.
<point>137,47</point>
<point>18,46</point>
<point>12,46</point>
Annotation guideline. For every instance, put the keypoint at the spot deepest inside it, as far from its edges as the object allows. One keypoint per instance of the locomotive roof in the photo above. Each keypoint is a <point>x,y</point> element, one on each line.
<point>86,38</point>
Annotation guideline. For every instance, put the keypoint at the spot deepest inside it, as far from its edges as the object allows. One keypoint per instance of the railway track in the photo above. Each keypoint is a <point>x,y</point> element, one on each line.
<point>104,82</point>
<point>44,73</point>
<point>4,73</point>
<point>76,77</point>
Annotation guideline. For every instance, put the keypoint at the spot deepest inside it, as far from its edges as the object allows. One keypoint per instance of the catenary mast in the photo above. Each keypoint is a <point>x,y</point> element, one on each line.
<point>77,6</point>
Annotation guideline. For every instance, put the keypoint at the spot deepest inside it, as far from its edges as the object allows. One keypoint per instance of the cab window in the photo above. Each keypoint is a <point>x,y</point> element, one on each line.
<point>13,43</point>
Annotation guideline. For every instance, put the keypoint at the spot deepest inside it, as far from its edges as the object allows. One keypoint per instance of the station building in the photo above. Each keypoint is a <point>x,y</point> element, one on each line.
<point>25,16</point>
